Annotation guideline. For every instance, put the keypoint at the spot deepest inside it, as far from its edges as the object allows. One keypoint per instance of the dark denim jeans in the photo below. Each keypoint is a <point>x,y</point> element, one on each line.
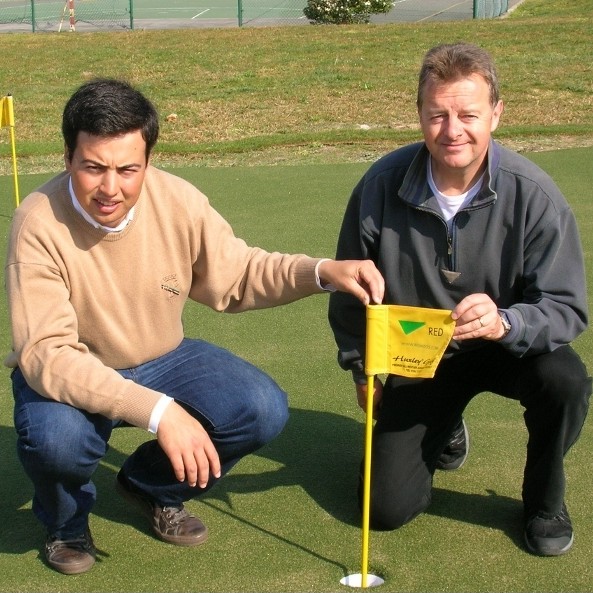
<point>60,446</point>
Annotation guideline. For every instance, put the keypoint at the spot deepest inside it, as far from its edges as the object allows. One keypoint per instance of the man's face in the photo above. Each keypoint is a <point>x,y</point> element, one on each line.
<point>457,119</point>
<point>107,174</point>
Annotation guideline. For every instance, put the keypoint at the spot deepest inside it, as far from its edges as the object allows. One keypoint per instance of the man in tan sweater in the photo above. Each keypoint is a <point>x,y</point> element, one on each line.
<point>101,260</point>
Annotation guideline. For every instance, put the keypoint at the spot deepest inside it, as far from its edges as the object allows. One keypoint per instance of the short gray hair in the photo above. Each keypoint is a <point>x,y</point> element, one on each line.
<point>449,62</point>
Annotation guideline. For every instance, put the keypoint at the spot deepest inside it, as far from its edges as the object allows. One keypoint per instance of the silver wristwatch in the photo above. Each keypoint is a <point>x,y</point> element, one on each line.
<point>505,324</point>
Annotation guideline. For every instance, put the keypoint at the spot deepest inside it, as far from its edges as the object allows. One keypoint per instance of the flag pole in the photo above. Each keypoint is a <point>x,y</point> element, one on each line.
<point>363,579</point>
<point>371,368</point>
<point>366,498</point>
<point>7,119</point>
<point>14,169</point>
<point>389,328</point>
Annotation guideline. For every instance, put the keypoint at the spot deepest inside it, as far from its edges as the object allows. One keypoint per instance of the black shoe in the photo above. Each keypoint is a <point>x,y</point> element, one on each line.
<point>549,536</point>
<point>456,450</point>
<point>172,524</point>
<point>71,556</point>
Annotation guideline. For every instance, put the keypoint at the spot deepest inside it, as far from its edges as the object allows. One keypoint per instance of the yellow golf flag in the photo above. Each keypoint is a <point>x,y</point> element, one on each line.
<point>7,120</point>
<point>406,341</point>
<point>6,112</point>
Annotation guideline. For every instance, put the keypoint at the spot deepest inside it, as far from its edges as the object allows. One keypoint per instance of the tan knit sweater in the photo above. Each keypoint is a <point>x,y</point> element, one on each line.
<point>83,302</point>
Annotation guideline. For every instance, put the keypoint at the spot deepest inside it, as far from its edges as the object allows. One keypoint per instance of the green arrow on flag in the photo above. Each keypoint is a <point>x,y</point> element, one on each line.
<point>411,326</point>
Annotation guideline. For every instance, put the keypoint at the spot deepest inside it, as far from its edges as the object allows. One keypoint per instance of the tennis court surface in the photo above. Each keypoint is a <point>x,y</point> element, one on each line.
<point>176,14</point>
<point>271,13</point>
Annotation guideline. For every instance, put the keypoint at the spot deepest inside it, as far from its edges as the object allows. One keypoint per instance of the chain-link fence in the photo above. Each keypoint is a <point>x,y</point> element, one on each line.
<point>287,12</point>
<point>251,12</point>
<point>66,15</point>
<point>85,15</point>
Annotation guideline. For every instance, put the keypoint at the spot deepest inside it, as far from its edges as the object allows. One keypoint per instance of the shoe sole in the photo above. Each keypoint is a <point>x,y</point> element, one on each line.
<point>548,550</point>
<point>70,569</point>
<point>86,561</point>
<point>141,505</point>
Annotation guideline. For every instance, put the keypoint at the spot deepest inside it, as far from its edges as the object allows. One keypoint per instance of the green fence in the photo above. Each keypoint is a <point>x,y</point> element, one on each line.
<point>254,12</point>
<point>85,15</point>
<point>67,15</point>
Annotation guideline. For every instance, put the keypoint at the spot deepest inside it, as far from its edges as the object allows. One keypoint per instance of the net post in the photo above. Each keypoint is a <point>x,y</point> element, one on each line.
<point>71,15</point>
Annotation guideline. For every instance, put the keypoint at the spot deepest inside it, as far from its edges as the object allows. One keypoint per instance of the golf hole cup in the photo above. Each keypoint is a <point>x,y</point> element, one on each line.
<point>355,580</point>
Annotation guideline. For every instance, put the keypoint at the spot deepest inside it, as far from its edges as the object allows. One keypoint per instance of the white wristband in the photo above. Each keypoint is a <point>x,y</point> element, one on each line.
<point>157,413</point>
<point>327,287</point>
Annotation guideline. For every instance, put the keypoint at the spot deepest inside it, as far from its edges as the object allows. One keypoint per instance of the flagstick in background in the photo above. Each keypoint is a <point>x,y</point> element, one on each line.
<point>7,120</point>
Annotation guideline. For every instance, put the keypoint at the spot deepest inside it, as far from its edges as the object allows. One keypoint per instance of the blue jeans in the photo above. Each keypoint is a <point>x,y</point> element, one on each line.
<point>60,446</point>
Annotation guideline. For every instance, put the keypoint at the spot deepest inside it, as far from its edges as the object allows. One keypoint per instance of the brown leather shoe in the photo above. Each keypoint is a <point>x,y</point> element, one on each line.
<point>172,524</point>
<point>71,556</point>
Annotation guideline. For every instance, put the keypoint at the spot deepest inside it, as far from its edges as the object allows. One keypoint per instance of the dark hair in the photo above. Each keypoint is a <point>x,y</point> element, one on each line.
<point>449,62</point>
<point>105,107</point>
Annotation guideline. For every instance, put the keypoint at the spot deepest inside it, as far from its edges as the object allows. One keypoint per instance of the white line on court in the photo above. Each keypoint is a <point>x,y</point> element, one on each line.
<point>199,14</point>
<point>441,11</point>
<point>165,9</point>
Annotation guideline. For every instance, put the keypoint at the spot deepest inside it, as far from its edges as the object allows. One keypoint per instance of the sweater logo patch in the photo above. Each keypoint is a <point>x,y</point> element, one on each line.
<point>170,285</point>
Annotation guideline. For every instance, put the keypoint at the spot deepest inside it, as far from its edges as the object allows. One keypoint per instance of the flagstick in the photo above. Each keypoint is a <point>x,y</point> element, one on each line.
<point>375,359</point>
<point>366,498</point>
<point>14,169</point>
<point>7,118</point>
<point>363,579</point>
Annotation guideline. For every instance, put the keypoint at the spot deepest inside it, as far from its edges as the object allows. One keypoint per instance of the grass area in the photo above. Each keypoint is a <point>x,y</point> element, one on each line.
<point>285,519</point>
<point>302,93</point>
